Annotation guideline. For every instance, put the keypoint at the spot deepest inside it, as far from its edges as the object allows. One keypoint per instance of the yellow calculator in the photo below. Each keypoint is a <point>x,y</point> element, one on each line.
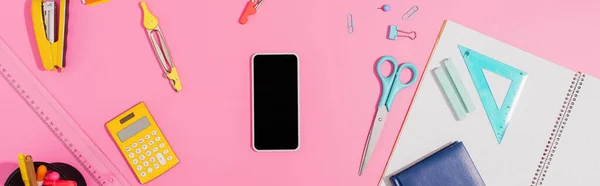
<point>142,143</point>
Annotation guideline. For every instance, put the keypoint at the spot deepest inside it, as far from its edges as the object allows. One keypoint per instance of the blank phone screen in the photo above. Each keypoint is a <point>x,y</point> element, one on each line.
<point>275,104</point>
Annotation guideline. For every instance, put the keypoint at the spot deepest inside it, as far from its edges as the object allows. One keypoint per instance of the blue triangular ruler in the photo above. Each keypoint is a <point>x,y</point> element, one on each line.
<point>498,116</point>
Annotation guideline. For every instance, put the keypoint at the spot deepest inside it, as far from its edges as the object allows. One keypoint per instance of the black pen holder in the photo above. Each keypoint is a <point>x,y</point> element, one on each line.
<point>66,171</point>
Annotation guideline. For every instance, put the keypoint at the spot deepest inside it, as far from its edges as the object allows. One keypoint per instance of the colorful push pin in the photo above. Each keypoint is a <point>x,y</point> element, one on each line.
<point>393,33</point>
<point>250,9</point>
<point>385,8</point>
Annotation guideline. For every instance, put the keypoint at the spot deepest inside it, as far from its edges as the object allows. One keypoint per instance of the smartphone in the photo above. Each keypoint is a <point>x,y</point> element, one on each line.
<point>275,102</point>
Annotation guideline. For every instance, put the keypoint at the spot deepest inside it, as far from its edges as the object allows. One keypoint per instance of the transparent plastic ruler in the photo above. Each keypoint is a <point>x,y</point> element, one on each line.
<point>57,120</point>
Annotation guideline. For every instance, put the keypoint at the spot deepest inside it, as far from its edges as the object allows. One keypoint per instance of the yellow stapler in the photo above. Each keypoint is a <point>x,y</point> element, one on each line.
<point>50,32</point>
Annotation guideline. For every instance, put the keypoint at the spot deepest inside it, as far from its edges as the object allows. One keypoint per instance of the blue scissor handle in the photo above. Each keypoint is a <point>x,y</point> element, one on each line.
<point>392,84</point>
<point>386,82</point>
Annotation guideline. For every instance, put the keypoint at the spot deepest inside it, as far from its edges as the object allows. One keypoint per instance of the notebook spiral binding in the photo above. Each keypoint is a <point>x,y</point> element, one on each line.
<point>559,125</point>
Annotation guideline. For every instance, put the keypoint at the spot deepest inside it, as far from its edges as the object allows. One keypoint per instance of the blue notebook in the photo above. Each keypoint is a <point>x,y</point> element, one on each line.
<point>450,166</point>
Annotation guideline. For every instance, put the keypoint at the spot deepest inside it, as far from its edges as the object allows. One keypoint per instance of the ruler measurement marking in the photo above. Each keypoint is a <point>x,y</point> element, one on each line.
<point>50,123</point>
<point>29,99</point>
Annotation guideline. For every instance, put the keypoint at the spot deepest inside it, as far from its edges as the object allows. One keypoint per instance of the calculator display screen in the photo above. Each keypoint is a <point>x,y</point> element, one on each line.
<point>133,129</point>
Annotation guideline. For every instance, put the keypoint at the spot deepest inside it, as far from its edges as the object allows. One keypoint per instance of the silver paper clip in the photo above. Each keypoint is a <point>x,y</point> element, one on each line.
<point>410,12</point>
<point>350,23</point>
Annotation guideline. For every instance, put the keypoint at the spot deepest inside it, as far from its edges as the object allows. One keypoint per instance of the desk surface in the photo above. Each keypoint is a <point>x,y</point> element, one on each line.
<point>111,66</point>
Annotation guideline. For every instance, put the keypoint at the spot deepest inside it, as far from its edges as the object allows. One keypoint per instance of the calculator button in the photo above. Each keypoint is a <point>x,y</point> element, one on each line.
<point>135,161</point>
<point>143,174</point>
<point>146,163</point>
<point>151,143</point>
<point>161,159</point>
<point>161,145</point>
<point>152,159</point>
<point>127,149</point>
<point>149,170</point>
<point>134,145</point>
<point>131,155</point>
<point>165,151</point>
<point>144,146</point>
<point>154,132</point>
<point>141,141</point>
<point>170,158</point>
<point>139,167</point>
<point>142,157</point>
<point>147,136</point>
<point>148,153</point>
<point>138,151</point>
<point>157,138</point>
<point>156,166</point>
<point>155,149</point>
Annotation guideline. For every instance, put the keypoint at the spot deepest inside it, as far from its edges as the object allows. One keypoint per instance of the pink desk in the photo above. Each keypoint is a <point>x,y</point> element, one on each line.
<point>111,66</point>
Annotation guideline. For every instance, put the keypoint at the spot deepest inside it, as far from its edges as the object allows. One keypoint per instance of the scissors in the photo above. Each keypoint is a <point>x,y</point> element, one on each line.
<point>162,50</point>
<point>391,85</point>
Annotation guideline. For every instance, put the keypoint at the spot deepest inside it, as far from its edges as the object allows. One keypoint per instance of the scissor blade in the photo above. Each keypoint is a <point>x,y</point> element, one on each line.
<point>373,137</point>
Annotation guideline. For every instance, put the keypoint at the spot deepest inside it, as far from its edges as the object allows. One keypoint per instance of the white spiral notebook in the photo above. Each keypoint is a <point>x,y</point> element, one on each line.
<point>543,129</point>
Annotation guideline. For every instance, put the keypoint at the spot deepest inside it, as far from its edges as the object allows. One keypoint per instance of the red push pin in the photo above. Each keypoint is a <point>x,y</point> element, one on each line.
<point>250,9</point>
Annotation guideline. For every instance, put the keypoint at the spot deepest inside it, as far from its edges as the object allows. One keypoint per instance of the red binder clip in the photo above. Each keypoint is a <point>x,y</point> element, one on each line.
<point>250,9</point>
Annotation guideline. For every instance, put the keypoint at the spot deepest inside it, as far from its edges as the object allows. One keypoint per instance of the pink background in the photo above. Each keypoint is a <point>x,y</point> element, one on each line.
<point>111,67</point>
